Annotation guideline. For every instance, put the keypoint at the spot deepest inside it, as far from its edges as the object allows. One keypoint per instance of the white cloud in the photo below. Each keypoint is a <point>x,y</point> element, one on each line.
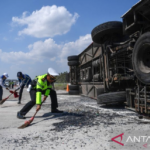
<point>48,49</point>
<point>44,54</point>
<point>14,57</point>
<point>76,47</point>
<point>46,22</point>
<point>38,52</point>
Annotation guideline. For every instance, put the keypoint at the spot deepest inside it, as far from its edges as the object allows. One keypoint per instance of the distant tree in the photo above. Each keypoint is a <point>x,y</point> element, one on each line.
<point>61,78</point>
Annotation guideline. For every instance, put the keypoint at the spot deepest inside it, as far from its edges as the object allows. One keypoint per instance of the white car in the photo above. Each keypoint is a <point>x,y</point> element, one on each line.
<point>7,83</point>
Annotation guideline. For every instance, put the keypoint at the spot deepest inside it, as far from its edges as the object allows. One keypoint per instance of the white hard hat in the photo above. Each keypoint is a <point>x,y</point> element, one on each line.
<point>6,75</point>
<point>52,72</point>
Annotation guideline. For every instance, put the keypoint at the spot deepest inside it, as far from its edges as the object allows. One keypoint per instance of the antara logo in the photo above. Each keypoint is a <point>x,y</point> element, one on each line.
<point>134,139</point>
<point>121,136</point>
<point>138,139</point>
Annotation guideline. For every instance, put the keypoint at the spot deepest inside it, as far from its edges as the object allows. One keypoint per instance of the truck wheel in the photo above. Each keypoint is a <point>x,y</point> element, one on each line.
<point>103,31</point>
<point>74,92</point>
<point>73,63</point>
<point>141,58</point>
<point>113,97</point>
<point>74,57</point>
<point>73,87</point>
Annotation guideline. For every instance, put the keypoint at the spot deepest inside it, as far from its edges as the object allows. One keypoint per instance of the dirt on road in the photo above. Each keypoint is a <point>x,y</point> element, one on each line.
<point>84,125</point>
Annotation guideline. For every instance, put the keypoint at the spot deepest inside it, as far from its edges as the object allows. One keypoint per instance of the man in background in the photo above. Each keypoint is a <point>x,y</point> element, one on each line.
<point>12,84</point>
<point>24,79</point>
<point>2,84</point>
<point>9,84</point>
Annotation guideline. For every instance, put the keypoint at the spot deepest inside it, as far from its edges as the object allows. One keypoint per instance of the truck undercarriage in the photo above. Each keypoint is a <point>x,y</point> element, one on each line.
<point>115,68</point>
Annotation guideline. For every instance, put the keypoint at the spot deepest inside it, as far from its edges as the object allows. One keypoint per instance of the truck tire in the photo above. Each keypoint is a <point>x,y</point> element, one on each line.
<point>73,63</point>
<point>112,97</point>
<point>74,57</point>
<point>73,87</point>
<point>141,58</point>
<point>103,31</point>
<point>73,92</point>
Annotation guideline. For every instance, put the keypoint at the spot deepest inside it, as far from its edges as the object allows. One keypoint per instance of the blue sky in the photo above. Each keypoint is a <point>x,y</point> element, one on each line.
<point>38,34</point>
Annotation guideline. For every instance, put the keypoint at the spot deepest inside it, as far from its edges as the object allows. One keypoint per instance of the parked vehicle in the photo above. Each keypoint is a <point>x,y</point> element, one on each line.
<point>115,68</point>
<point>7,84</point>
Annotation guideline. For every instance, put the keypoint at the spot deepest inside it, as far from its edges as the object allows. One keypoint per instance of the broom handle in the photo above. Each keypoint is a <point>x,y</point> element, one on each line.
<point>8,96</point>
<point>35,114</point>
<point>37,111</point>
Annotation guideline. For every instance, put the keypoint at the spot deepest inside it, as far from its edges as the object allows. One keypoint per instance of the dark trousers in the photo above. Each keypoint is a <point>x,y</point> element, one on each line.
<point>30,104</point>
<point>1,93</point>
<point>20,93</point>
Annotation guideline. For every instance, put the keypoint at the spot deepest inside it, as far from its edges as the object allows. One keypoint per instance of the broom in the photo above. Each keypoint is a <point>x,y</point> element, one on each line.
<point>3,100</point>
<point>27,123</point>
<point>15,95</point>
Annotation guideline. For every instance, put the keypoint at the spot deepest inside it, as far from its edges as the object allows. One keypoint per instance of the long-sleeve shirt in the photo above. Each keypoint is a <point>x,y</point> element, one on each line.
<point>42,86</point>
<point>25,81</point>
<point>2,82</point>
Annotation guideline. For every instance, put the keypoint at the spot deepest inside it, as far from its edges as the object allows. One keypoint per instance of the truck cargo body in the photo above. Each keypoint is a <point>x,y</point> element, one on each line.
<point>115,68</point>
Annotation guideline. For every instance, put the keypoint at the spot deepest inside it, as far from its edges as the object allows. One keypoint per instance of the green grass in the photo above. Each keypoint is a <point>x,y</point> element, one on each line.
<point>60,86</point>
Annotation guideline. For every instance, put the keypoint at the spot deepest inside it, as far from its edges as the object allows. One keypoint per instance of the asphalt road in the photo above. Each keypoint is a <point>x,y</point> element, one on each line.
<point>84,125</point>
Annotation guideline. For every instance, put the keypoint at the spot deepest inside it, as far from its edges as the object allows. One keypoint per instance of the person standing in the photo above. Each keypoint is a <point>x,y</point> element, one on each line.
<point>9,84</point>
<point>42,85</point>
<point>24,79</point>
<point>2,84</point>
<point>12,84</point>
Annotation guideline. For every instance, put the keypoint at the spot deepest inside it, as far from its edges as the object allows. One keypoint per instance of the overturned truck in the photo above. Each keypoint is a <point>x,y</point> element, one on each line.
<point>115,68</point>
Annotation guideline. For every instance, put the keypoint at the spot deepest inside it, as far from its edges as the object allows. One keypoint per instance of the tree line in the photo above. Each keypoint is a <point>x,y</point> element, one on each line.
<point>62,77</point>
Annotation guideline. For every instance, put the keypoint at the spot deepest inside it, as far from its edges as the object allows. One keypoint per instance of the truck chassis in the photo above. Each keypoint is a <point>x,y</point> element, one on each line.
<point>115,67</point>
